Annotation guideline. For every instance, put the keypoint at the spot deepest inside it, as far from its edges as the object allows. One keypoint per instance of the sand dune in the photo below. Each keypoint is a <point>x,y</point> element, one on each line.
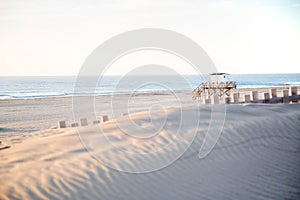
<point>256,157</point>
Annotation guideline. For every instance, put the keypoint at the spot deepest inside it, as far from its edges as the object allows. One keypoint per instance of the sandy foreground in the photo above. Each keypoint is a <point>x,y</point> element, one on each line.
<point>256,156</point>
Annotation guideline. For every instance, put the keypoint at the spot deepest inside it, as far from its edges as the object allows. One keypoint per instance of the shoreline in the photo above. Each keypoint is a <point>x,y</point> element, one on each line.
<point>243,89</point>
<point>21,117</point>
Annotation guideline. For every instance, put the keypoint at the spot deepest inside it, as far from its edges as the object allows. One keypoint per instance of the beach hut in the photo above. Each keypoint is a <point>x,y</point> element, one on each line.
<point>218,77</point>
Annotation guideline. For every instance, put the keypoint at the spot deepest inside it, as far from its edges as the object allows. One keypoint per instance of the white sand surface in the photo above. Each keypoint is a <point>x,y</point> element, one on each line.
<point>21,117</point>
<point>256,157</point>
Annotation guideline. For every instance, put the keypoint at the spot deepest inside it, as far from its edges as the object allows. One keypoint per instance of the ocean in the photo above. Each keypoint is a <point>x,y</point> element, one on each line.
<point>62,86</point>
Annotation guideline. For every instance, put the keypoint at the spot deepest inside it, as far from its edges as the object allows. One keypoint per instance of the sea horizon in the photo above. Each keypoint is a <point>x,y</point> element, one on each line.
<point>30,87</point>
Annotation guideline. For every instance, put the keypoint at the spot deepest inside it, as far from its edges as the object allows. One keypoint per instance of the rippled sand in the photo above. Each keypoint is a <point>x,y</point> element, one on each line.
<point>256,157</point>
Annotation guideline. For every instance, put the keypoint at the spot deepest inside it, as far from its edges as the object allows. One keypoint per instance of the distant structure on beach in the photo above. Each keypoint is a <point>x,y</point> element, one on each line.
<point>218,86</point>
<point>218,77</point>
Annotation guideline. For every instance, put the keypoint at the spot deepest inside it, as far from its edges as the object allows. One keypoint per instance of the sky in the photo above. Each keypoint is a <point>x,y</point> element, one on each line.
<point>54,37</point>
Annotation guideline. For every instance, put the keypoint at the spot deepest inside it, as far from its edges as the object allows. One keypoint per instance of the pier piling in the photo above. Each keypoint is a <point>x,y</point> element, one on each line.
<point>74,124</point>
<point>62,124</point>
<point>247,98</point>
<point>236,97</point>
<point>285,98</point>
<point>216,99</point>
<point>254,95</point>
<point>266,98</point>
<point>227,100</point>
<point>96,122</point>
<point>104,118</point>
<point>83,122</point>
<point>273,93</point>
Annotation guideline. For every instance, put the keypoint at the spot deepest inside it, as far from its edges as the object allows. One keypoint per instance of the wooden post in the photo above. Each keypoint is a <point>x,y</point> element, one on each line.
<point>62,124</point>
<point>83,122</point>
<point>206,100</point>
<point>254,95</point>
<point>247,98</point>
<point>216,99</point>
<point>273,93</point>
<point>74,124</point>
<point>227,100</point>
<point>104,118</point>
<point>266,98</point>
<point>293,91</point>
<point>236,97</point>
<point>285,95</point>
<point>96,122</point>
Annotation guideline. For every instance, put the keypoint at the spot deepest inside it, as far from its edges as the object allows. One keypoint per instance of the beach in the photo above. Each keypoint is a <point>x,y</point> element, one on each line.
<point>149,100</point>
<point>256,156</point>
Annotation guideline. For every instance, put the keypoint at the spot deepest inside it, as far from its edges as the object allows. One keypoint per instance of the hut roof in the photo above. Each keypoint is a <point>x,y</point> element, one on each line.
<point>219,74</point>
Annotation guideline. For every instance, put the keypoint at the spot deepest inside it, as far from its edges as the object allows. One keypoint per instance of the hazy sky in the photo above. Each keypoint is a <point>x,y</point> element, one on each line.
<point>52,37</point>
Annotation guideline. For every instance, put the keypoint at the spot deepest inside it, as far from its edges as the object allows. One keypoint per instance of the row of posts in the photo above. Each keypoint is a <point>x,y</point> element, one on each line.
<point>288,95</point>
<point>83,122</point>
